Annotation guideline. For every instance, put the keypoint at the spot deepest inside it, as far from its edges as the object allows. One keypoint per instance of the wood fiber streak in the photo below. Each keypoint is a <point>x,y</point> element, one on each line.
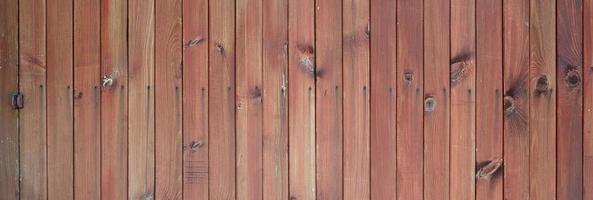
<point>588,99</point>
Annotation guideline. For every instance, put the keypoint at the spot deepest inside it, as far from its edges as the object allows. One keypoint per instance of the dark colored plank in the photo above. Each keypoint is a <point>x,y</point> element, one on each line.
<point>9,136</point>
<point>410,100</point>
<point>569,70</point>
<point>301,72</point>
<point>195,99</point>
<point>222,100</point>
<point>141,99</point>
<point>275,117</point>
<point>588,100</point>
<point>436,90</point>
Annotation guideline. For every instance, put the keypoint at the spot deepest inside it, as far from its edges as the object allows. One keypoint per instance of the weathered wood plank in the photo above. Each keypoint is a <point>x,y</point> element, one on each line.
<point>114,99</point>
<point>222,100</point>
<point>569,70</point>
<point>9,136</point>
<point>249,99</point>
<point>436,99</point>
<point>275,117</point>
<point>410,100</point>
<point>195,99</point>
<point>87,100</point>
<point>383,99</point>
<point>168,100</point>
<point>588,99</point>
<point>141,156</point>
<point>301,72</point>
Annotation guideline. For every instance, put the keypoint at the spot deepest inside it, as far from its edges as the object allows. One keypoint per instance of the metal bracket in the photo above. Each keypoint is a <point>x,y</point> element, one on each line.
<point>17,100</point>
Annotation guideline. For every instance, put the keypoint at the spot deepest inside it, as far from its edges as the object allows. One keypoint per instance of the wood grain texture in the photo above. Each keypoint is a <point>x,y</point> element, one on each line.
<point>141,29</point>
<point>249,99</point>
<point>275,108</point>
<point>329,89</point>
<point>60,102</point>
<point>114,99</point>
<point>587,99</point>
<point>410,73</point>
<point>222,114</point>
<point>87,100</point>
<point>569,71</point>
<point>168,100</point>
<point>436,87</point>
<point>195,99</point>
<point>301,107</point>
<point>463,100</point>
<point>9,136</point>
<point>542,103</point>
<point>383,80</point>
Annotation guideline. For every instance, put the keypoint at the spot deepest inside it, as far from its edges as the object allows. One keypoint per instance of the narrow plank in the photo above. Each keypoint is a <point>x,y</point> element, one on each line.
<point>195,99</point>
<point>516,99</point>
<point>87,100</point>
<point>356,71</point>
<point>222,100</point>
<point>249,99</point>
<point>383,99</point>
<point>489,84</point>
<point>301,73</point>
<point>32,83</point>
<point>542,103</point>
<point>436,89</point>
<point>9,137</point>
<point>114,100</point>
<point>569,64</point>
<point>410,159</point>
<point>168,100</point>
<point>141,28</point>
<point>463,105</point>
<point>588,99</point>
<point>275,116</point>
<point>60,102</point>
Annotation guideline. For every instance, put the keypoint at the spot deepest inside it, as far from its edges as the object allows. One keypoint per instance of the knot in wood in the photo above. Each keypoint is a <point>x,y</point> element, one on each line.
<point>219,48</point>
<point>429,104</point>
<point>542,85</point>
<point>107,80</point>
<point>509,105</point>
<point>408,77</point>
<point>573,78</point>
<point>488,169</point>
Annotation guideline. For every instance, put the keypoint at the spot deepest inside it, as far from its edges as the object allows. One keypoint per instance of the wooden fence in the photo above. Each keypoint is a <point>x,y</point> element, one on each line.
<point>296,99</point>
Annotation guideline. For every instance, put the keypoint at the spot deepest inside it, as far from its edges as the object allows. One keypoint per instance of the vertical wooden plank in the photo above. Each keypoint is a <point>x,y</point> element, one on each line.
<point>114,99</point>
<point>87,97</point>
<point>60,121</point>
<point>588,100</point>
<point>195,99</point>
<point>222,100</point>
<point>489,114</point>
<point>542,103</point>
<point>275,117</point>
<point>249,99</point>
<point>301,72</point>
<point>32,82</point>
<point>356,58</point>
<point>410,99</point>
<point>168,100</point>
<point>9,136</point>
<point>383,99</point>
<point>141,154</point>
<point>516,99</point>
<point>436,98</point>
<point>569,63</point>
<point>463,105</point>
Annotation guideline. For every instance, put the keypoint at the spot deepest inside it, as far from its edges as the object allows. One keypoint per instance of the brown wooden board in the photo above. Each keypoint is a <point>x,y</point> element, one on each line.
<point>301,94</point>
<point>9,136</point>
<point>569,71</point>
<point>60,123</point>
<point>587,99</point>
<point>463,100</point>
<point>168,100</point>
<point>410,100</point>
<point>329,89</point>
<point>275,106</point>
<point>114,99</point>
<point>87,100</point>
<point>222,177</point>
<point>383,80</point>
<point>141,152</point>
<point>436,98</point>
<point>195,99</point>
